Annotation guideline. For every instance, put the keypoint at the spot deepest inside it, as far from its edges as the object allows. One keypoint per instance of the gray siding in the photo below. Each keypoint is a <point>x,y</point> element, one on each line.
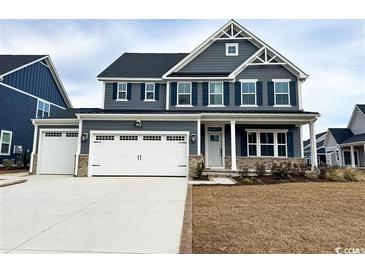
<point>135,102</point>
<point>214,58</point>
<point>190,126</point>
<point>358,123</point>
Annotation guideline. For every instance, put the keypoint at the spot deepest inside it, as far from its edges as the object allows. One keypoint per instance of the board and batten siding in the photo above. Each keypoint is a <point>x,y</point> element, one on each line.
<point>214,59</point>
<point>136,101</point>
<point>190,126</point>
<point>37,80</point>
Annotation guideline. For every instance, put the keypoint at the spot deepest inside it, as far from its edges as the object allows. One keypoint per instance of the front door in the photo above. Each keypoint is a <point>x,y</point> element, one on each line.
<point>215,150</point>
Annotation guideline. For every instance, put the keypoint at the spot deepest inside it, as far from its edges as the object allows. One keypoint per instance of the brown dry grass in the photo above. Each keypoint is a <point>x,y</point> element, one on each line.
<point>283,218</point>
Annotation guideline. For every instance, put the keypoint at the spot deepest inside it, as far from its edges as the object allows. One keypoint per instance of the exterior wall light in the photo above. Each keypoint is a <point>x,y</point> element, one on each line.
<point>84,137</point>
<point>138,123</point>
<point>193,138</point>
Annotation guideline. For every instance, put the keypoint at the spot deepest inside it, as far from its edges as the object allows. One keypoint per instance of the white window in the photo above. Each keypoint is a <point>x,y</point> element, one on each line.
<point>267,143</point>
<point>184,94</point>
<point>231,49</point>
<point>248,93</point>
<point>216,94</point>
<point>150,92</point>
<point>43,109</point>
<point>281,91</point>
<point>252,144</point>
<point>122,92</point>
<point>5,142</point>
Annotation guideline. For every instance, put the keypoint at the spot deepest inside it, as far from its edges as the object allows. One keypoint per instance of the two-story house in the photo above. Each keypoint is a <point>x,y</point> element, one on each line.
<point>345,147</point>
<point>29,88</point>
<point>233,100</point>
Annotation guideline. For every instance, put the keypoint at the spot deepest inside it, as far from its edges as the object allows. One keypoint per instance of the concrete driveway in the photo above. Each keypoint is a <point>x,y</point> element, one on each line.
<point>50,214</point>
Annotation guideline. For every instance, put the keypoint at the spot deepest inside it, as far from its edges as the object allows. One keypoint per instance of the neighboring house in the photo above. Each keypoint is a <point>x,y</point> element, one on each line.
<point>321,153</point>
<point>29,88</point>
<point>346,146</point>
<point>232,101</point>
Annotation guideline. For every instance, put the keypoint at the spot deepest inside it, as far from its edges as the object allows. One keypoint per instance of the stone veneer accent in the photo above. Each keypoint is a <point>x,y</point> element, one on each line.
<point>83,165</point>
<point>267,161</point>
<point>193,161</point>
<point>34,169</point>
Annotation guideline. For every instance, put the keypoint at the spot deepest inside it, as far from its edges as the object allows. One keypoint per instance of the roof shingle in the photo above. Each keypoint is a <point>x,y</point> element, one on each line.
<point>10,62</point>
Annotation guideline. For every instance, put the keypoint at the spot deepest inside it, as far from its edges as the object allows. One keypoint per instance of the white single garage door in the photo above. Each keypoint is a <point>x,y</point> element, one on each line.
<point>57,152</point>
<point>138,154</point>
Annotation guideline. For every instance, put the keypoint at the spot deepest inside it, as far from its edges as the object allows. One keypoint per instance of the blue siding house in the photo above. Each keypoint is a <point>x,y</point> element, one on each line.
<point>232,102</point>
<point>29,88</point>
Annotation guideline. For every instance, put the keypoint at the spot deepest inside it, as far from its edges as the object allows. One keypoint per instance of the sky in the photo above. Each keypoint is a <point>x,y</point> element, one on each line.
<point>332,52</point>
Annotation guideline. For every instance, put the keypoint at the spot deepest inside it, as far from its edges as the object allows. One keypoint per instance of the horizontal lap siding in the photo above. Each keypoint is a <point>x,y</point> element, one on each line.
<point>135,102</point>
<point>214,58</point>
<point>190,126</point>
<point>37,80</point>
<point>16,112</point>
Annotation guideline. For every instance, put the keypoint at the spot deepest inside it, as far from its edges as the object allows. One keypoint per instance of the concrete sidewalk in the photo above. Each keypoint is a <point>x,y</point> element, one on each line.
<point>8,179</point>
<point>52,214</point>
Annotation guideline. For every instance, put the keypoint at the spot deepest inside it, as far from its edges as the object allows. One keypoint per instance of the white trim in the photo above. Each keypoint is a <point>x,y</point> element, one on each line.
<point>31,95</point>
<point>121,100</point>
<point>37,108</point>
<point>233,146</point>
<point>349,125</point>
<point>241,67</point>
<point>198,136</point>
<point>199,78</point>
<point>150,91</point>
<point>123,79</point>
<point>78,150</point>
<point>40,141</point>
<point>51,121</point>
<point>177,94</point>
<point>223,140</point>
<point>300,99</point>
<point>24,66</point>
<point>209,104</point>
<point>235,45</point>
<point>168,95</point>
<point>313,143</point>
<point>10,142</point>
<point>352,157</point>
<point>249,81</point>
<point>301,141</point>
<point>282,81</point>
<point>103,96</point>
<point>122,91</point>
<point>93,132</point>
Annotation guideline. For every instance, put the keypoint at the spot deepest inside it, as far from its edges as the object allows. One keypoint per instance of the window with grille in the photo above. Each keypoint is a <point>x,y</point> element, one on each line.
<point>175,138</point>
<point>151,138</point>
<point>72,134</point>
<point>252,144</point>
<point>128,138</point>
<point>53,134</point>
<point>104,138</point>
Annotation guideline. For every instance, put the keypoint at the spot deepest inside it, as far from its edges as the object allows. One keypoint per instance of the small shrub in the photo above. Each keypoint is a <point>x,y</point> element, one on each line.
<point>332,174</point>
<point>199,169</point>
<point>312,175</point>
<point>247,181</point>
<point>243,171</point>
<point>19,164</point>
<point>7,163</point>
<point>260,169</point>
<point>280,171</point>
<point>298,170</point>
<point>350,175</point>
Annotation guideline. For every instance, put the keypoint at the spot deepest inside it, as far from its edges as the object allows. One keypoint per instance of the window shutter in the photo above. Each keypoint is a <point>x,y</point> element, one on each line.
<point>293,93</point>
<point>205,93</point>
<point>270,93</point>
<point>173,86</point>
<point>290,144</point>
<point>194,93</point>
<point>237,93</point>
<point>143,88</point>
<point>243,143</point>
<point>157,91</point>
<point>259,93</point>
<point>226,93</point>
<point>115,86</point>
<point>129,91</point>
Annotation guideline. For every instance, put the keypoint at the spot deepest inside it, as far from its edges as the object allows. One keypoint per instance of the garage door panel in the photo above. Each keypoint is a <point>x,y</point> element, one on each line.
<point>139,155</point>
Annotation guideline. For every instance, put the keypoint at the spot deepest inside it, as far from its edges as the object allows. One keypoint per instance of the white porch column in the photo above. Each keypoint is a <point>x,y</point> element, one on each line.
<point>313,145</point>
<point>233,146</point>
<point>198,137</point>
<point>352,157</point>
<point>167,95</point>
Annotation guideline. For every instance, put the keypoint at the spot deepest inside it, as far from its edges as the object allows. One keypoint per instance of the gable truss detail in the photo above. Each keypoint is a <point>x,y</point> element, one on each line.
<point>266,59</point>
<point>231,33</point>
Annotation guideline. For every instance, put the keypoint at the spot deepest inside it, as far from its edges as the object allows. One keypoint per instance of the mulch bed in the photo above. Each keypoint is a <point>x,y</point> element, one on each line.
<point>202,178</point>
<point>269,180</point>
<point>281,218</point>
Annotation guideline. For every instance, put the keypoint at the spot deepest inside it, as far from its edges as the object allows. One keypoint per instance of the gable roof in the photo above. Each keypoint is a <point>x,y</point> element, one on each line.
<point>319,135</point>
<point>341,134</point>
<point>244,34</point>
<point>361,107</point>
<point>10,62</point>
<point>355,139</point>
<point>141,65</point>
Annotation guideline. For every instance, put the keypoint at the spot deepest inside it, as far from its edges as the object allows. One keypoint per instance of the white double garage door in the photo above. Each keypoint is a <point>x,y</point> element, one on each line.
<point>118,153</point>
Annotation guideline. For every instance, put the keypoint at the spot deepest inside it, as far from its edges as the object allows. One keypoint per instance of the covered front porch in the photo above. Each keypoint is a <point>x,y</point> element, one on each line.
<point>352,155</point>
<point>231,142</point>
